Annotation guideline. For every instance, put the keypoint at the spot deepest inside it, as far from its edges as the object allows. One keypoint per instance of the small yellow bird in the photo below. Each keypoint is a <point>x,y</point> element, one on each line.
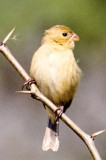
<point>57,76</point>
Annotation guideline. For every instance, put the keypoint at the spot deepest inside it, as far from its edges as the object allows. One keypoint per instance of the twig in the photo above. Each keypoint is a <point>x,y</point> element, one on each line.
<point>87,139</point>
<point>8,36</point>
<point>97,134</point>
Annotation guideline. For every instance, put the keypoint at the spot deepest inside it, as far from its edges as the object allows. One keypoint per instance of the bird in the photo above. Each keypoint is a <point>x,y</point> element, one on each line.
<point>57,75</point>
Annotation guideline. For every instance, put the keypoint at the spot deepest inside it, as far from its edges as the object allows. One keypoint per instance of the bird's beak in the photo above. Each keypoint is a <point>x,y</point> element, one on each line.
<point>75,37</point>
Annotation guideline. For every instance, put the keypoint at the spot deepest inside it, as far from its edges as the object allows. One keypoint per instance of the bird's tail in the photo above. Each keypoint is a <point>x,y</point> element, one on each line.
<point>51,137</point>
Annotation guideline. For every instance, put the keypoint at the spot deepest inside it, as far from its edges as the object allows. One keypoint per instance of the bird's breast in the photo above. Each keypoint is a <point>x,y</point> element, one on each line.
<point>57,76</point>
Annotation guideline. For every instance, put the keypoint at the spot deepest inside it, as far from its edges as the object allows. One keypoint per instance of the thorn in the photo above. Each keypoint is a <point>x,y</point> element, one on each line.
<point>33,93</point>
<point>25,92</point>
<point>97,134</point>
<point>8,36</point>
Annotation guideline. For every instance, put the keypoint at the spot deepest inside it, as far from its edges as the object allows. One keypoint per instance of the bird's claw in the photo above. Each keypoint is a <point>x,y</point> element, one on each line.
<point>34,96</point>
<point>28,83</point>
<point>59,112</point>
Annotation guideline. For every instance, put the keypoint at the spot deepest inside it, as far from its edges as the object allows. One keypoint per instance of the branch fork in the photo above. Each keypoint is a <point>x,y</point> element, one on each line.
<point>97,134</point>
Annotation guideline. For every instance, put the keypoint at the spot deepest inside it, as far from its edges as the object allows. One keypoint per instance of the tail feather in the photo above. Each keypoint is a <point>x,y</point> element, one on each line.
<point>51,137</point>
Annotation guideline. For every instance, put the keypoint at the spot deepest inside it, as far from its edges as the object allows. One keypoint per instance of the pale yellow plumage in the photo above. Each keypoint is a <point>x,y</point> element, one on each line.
<point>55,69</point>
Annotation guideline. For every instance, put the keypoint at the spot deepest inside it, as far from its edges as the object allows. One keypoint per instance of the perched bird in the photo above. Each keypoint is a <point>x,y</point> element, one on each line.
<point>57,76</point>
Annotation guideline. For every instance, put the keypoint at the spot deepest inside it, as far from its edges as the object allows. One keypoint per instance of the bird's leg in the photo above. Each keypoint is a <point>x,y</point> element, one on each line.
<point>59,112</point>
<point>28,83</point>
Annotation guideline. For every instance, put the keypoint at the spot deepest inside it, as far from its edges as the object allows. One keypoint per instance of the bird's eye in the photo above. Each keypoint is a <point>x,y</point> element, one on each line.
<point>64,34</point>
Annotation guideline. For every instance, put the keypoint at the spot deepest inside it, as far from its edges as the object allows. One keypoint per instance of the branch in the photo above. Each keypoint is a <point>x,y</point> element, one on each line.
<point>87,139</point>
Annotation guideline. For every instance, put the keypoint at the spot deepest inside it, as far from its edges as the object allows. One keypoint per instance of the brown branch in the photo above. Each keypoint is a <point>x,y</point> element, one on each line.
<point>87,139</point>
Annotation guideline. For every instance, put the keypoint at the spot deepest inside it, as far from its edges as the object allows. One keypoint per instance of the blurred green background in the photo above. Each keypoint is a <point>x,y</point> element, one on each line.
<point>22,119</point>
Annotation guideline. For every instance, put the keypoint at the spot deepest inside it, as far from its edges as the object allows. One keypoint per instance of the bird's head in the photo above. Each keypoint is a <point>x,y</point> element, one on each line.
<point>60,35</point>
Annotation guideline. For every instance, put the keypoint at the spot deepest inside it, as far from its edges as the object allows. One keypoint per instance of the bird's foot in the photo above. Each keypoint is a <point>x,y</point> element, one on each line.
<point>59,112</point>
<point>28,83</point>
